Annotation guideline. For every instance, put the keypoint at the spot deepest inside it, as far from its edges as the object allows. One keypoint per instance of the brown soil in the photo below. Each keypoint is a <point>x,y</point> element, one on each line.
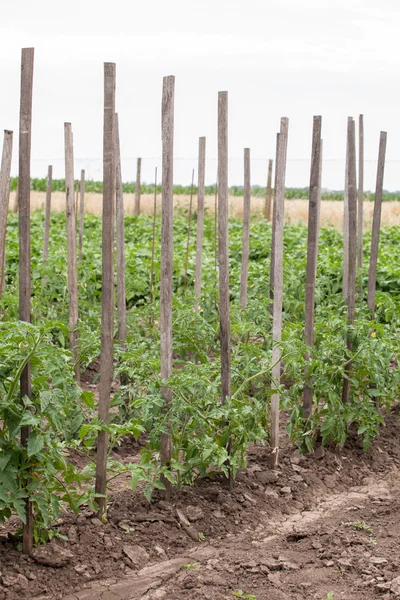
<point>290,534</point>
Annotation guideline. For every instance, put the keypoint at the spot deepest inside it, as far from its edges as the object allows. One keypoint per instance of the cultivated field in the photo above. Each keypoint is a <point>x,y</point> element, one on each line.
<point>295,210</point>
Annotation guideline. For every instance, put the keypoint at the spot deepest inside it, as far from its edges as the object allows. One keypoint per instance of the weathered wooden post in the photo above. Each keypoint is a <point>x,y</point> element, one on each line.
<point>107,294</point>
<point>360,211</point>
<point>71,247</point>
<point>352,243</point>
<point>200,217</point>
<point>272,255</point>
<point>346,222</point>
<point>279,205</point>
<point>312,253</point>
<point>137,187</point>
<point>24,193</point>
<point>154,237</point>
<point>49,186</point>
<point>268,194</point>
<point>246,230</point>
<point>4,200</point>
<point>120,239</point>
<point>223,247</point>
<point>81,212</point>
<point>188,235</point>
<point>376,223</point>
<point>167,217</point>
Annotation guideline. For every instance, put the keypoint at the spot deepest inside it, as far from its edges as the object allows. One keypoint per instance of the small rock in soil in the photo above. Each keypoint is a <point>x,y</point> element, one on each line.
<point>377,560</point>
<point>395,586</point>
<point>15,581</point>
<point>136,554</point>
<point>275,579</point>
<point>266,477</point>
<point>51,555</point>
<point>286,490</point>
<point>194,513</point>
<point>218,514</point>
<point>73,534</point>
<point>160,552</point>
<point>182,519</point>
<point>330,481</point>
<point>96,522</point>
<point>80,569</point>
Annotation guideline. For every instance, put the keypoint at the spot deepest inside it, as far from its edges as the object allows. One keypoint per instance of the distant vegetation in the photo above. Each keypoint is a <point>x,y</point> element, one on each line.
<point>39,185</point>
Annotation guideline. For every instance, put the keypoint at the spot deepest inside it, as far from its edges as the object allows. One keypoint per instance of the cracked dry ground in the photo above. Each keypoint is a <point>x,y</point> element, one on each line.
<point>319,525</point>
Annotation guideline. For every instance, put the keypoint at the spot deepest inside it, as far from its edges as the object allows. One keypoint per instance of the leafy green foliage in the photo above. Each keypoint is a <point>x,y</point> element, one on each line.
<point>210,439</point>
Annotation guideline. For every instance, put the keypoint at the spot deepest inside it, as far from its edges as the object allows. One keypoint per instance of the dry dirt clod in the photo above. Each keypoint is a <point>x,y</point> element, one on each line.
<point>194,513</point>
<point>136,554</point>
<point>52,555</point>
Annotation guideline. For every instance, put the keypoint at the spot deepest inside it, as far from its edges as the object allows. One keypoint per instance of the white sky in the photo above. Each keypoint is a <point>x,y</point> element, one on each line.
<point>293,58</point>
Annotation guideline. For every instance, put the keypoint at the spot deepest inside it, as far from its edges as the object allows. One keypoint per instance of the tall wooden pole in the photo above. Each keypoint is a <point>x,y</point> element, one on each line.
<point>223,246</point>
<point>360,211</point>
<point>376,223</point>
<point>346,221</point>
<point>272,255</point>
<point>188,235</point>
<point>137,187</point>
<point>107,295</point>
<point>246,230</point>
<point>4,200</point>
<point>352,247</point>
<point>120,239</point>
<point>279,202</point>
<point>312,252</point>
<point>24,193</point>
<point>167,262</point>
<point>81,212</point>
<point>71,246</point>
<point>49,186</point>
<point>154,237</point>
<point>200,216</point>
<point>268,195</point>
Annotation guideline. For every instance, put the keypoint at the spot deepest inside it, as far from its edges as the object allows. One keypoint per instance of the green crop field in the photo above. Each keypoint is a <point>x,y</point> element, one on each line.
<point>63,418</point>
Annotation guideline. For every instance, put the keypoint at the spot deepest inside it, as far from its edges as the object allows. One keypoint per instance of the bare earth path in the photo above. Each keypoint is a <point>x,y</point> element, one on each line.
<point>308,555</point>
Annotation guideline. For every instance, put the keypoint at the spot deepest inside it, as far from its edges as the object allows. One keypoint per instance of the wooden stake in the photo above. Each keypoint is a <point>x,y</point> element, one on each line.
<point>71,247</point>
<point>352,247</point>
<point>48,213</point>
<point>154,238</point>
<point>16,202</point>
<point>4,200</point>
<point>216,240</point>
<point>81,212</point>
<point>279,202</point>
<point>312,252</point>
<point>268,195</point>
<point>200,217</point>
<point>120,239</point>
<point>137,187</point>
<point>24,193</point>
<point>360,211</point>
<point>223,246</point>
<point>188,235</point>
<point>107,295</point>
<point>246,230</point>
<point>376,223</point>
<point>346,222</point>
<point>272,255</point>
<point>167,262</point>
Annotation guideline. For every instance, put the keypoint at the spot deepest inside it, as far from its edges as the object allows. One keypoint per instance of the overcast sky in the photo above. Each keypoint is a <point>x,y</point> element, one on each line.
<point>294,58</point>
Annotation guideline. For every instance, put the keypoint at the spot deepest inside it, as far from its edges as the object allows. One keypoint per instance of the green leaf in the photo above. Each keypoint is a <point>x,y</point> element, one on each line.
<point>35,445</point>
